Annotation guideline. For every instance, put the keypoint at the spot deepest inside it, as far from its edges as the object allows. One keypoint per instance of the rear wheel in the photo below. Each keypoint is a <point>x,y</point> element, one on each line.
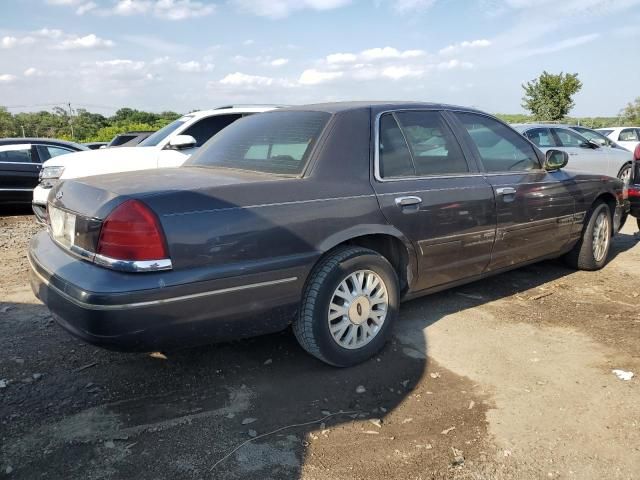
<point>625,174</point>
<point>591,252</point>
<point>349,306</point>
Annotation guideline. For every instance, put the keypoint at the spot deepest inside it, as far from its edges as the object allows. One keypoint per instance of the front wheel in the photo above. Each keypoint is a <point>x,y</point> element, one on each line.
<point>348,307</point>
<point>625,174</point>
<point>591,252</point>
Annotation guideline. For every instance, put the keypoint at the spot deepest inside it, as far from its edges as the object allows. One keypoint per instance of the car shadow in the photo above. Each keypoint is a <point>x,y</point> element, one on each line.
<point>195,413</point>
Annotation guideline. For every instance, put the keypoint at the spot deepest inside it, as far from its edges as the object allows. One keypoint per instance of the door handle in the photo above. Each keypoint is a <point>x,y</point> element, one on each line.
<point>408,201</point>
<point>506,191</point>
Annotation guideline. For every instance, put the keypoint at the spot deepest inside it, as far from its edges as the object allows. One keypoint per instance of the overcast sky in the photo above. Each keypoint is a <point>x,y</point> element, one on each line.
<point>194,54</point>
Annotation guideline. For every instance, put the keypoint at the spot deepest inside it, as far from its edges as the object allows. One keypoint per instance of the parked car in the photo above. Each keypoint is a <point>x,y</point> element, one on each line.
<point>168,147</point>
<point>20,163</point>
<point>634,189</point>
<point>584,155</point>
<point>627,137</point>
<point>130,139</point>
<point>321,216</point>
<point>95,145</point>
<point>595,136</point>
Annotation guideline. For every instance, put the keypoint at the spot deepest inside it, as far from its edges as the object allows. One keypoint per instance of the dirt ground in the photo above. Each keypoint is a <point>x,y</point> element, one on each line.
<point>505,378</point>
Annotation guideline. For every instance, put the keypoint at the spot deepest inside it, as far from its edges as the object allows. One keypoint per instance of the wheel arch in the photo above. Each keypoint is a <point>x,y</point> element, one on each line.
<point>387,241</point>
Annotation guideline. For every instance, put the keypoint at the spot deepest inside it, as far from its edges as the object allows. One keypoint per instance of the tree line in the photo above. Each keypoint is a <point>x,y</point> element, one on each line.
<point>548,98</point>
<point>82,125</point>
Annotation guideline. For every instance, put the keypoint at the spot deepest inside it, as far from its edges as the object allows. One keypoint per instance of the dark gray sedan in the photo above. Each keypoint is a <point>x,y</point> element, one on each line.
<point>323,217</point>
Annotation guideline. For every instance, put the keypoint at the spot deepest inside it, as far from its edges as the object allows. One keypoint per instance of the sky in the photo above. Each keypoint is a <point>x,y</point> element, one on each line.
<point>184,55</point>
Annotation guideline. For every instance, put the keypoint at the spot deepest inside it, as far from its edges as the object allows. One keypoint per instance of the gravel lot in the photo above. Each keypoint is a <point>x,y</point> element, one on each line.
<point>505,378</point>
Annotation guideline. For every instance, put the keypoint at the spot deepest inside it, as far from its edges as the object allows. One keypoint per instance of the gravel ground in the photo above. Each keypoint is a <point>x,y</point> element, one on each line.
<point>505,378</point>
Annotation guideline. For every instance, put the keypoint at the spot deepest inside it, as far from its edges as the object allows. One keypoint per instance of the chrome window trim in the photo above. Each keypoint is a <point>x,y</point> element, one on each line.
<point>133,265</point>
<point>376,153</point>
<point>16,189</point>
<point>150,303</point>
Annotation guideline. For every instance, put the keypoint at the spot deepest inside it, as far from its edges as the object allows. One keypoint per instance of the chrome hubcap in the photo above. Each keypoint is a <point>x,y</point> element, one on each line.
<point>358,309</point>
<point>625,176</point>
<point>601,236</point>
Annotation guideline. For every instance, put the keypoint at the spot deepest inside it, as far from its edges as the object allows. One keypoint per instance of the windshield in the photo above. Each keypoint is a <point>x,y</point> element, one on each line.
<point>164,132</point>
<point>277,142</point>
<point>605,132</point>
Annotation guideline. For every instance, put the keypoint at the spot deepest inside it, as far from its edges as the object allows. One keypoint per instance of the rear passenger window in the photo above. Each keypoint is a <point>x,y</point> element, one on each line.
<point>15,153</point>
<point>421,144</point>
<point>500,148</point>
<point>208,127</point>
<point>434,149</point>
<point>541,137</point>
<point>394,155</point>
<point>628,135</point>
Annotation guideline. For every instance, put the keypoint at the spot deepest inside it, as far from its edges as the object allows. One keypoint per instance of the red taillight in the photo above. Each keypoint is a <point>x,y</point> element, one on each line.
<point>636,153</point>
<point>132,232</point>
<point>633,191</point>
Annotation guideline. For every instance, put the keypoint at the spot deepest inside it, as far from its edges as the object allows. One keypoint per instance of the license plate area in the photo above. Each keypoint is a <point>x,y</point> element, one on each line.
<point>63,226</point>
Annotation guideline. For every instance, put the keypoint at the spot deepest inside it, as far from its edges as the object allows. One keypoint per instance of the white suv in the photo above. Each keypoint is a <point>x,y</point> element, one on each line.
<point>168,147</point>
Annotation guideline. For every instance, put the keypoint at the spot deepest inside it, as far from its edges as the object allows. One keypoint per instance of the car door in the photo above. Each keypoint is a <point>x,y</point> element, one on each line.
<point>583,155</point>
<point>202,130</point>
<point>535,208</point>
<point>428,190</point>
<point>19,169</point>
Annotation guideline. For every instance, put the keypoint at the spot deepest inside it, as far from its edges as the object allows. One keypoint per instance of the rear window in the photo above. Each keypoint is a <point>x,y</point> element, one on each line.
<point>278,142</point>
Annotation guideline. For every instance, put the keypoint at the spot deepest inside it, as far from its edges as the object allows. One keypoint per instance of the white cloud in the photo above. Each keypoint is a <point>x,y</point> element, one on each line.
<point>165,9</point>
<point>561,45</point>
<point>86,7</point>
<point>283,8</point>
<point>386,53</point>
<point>336,58</point>
<point>454,64</point>
<point>52,33</point>
<point>32,72</point>
<point>248,42</point>
<point>194,67</point>
<point>10,42</point>
<point>7,78</point>
<point>315,77</point>
<point>238,79</point>
<point>412,6</point>
<point>119,66</point>
<point>90,41</point>
<point>279,62</point>
<point>399,72</point>
<point>457,47</point>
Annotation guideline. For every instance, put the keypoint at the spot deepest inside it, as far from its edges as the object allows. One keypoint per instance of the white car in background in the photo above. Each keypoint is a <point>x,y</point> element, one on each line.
<point>584,155</point>
<point>170,146</point>
<point>627,137</point>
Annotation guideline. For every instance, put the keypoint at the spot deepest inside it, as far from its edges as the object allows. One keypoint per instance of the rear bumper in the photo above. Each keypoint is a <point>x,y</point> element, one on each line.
<point>130,317</point>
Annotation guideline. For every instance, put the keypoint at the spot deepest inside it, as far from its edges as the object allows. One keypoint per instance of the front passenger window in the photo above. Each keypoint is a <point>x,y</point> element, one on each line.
<point>569,139</point>
<point>628,135</point>
<point>500,148</point>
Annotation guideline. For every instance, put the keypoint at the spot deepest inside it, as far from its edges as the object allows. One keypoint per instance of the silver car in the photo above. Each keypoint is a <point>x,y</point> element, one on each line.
<point>584,155</point>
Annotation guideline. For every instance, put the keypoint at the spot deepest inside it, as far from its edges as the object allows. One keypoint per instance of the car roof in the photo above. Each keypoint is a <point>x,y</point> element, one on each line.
<point>336,107</point>
<point>613,129</point>
<point>51,141</point>
<point>230,109</point>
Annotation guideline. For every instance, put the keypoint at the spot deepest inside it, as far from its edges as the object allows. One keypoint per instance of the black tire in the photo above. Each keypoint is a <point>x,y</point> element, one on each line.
<point>623,171</point>
<point>311,328</point>
<point>582,254</point>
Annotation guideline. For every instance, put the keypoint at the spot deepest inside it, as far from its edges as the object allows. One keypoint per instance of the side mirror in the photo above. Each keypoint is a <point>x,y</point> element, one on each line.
<point>181,142</point>
<point>596,144</point>
<point>555,160</point>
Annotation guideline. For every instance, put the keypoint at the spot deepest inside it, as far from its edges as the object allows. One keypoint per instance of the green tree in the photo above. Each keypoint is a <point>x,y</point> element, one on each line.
<point>631,113</point>
<point>550,97</point>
